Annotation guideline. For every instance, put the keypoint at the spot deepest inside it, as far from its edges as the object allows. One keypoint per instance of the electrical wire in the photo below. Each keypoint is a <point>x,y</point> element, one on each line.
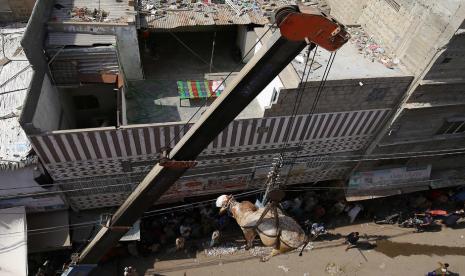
<point>191,50</point>
<point>221,84</point>
<point>12,91</point>
<point>341,160</point>
<point>312,109</point>
<point>149,214</point>
<point>388,158</point>
<point>298,99</point>
<point>184,207</point>
<point>20,195</point>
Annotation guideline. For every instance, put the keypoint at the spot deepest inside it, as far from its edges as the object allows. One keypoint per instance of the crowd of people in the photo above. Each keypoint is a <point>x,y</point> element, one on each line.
<point>189,229</point>
<point>194,228</point>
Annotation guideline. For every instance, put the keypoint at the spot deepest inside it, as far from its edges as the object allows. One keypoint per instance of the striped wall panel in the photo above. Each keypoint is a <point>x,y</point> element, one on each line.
<point>126,143</point>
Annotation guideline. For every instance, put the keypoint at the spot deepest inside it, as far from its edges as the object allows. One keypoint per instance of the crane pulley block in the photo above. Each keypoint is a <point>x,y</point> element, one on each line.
<point>309,24</point>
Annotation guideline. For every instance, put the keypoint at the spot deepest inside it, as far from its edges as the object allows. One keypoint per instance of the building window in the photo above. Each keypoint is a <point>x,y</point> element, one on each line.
<point>274,97</point>
<point>452,126</point>
<point>85,102</point>
<point>446,60</point>
<point>393,4</point>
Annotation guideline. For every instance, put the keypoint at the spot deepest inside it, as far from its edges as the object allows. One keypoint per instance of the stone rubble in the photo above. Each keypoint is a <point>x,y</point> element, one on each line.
<point>370,49</point>
<point>230,249</point>
<point>257,7</point>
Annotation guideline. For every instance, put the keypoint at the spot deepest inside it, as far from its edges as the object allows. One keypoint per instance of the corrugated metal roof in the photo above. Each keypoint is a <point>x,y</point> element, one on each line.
<point>15,77</point>
<point>117,11</point>
<point>186,13</point>
<point>69,63</point>
<point>79,39</point>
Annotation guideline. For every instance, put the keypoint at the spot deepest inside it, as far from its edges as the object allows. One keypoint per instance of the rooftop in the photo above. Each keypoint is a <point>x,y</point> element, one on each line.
<point>15,76</point>
<point>156,99</point>
<point>172,14</point>
<point>361,57</point>
<point>101,11</point>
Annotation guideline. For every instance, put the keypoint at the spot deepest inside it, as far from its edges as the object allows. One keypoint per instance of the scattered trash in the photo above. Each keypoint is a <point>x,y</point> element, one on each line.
<point>221,250</point>
<point>370,49</point>
<point>306,274</point>
<point>382,266</point>
<point>230,249</point>
<point>258,251</point>
<point>89,15</point>
<point>285,269</point>
<point>307,248</point>
<point>207,8</point>
<point>333,269</point>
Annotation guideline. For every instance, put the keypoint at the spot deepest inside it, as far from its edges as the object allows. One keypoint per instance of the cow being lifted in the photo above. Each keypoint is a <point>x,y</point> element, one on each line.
<point>284,238</point>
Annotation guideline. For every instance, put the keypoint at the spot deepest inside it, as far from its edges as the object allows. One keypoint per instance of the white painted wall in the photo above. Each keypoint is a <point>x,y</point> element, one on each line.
<point>265,97</point>
<point>246,40</point>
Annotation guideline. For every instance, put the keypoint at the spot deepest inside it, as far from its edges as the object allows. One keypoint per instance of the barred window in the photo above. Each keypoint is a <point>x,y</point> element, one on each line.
<point>393,4</point>
<point>452,126</point>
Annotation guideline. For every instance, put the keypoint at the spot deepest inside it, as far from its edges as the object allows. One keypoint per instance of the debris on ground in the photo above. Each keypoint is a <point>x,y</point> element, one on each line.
<point>307,248</point>
<point>208,8</point>
<point>88,15</point>
<point>285,269</point>
<point>333,269</point>
<point>221,250</point>
<point>370,48</point>
<point>230,249</point>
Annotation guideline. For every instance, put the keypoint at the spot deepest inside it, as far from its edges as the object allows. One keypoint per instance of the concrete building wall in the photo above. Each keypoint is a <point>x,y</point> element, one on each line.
<point>415,136</point>
<point>127,42</point>
<point>51,113</point>
<point>451,63</point>
<point>423,124</point>
<point>431,93</point>
<point>347,12</point>
<point>105,110</point>
<point>13,182</point>
<point>343,95</point>
<point>121,157</point>
<point>128,52</point>
<point>414,32</point>
<point>15,10</point>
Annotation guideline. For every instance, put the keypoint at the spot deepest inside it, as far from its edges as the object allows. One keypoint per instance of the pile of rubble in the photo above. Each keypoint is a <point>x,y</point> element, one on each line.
<point>88,15</point>
<point>370,49</point>
<point>230,249</point>
<point>258,7</point>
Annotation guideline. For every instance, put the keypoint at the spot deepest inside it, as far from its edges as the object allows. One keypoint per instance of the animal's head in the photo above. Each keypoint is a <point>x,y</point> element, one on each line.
<point>222,202</point>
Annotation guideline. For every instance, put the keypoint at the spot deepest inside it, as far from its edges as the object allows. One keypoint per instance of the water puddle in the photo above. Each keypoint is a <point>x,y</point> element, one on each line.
<point>394,249</point>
